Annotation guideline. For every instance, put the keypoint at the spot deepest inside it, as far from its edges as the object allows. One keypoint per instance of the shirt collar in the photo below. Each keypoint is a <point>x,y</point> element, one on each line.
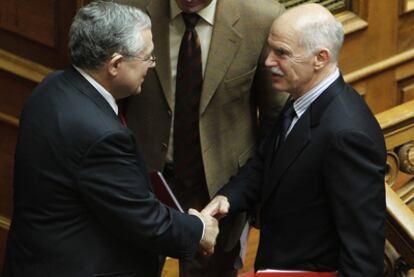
<point>207,13</point>
<point>302,103</point>
<point>102,91</point>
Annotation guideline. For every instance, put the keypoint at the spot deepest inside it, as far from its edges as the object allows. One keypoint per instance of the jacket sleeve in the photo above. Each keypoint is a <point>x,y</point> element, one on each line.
<point>354,175</point>
<point>115,188</point>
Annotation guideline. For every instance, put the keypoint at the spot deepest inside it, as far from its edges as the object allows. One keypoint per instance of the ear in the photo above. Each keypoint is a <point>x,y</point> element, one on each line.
<point>322,58</point>
<point>113,64</point>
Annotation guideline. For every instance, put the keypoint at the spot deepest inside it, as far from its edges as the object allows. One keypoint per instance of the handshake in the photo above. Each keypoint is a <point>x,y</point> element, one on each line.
<point>216,209</point>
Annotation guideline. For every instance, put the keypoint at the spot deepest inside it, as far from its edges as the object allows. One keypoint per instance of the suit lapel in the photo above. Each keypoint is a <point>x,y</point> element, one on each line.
<point>160,30</point>
<point>298,139</point>
<point>225,43</point>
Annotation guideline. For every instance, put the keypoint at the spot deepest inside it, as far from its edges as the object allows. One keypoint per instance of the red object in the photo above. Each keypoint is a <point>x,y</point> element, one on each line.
<point>295,274</point>
<point>122,119</point>
<point>163,191</point>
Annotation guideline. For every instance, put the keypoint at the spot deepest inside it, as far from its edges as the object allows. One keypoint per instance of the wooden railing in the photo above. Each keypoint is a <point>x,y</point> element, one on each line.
<point>398,128</point>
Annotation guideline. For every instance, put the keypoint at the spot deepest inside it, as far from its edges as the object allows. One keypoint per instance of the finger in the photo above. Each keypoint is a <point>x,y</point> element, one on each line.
<point>210,209</point>
<point>192,211</point>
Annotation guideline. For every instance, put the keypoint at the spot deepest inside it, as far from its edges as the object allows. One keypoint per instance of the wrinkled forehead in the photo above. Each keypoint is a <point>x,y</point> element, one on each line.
<point>283,33</point>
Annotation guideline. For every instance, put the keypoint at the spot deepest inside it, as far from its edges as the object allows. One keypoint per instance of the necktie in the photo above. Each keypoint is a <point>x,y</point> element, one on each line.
<point>188,164</point>
<point>287,118</point>
<point>122,118</point>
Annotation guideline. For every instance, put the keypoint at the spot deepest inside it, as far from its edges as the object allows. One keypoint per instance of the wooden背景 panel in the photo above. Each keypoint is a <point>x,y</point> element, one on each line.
<point>37,30</point>
<point>7,147</point>
<point>14,91</point>
<point>35,22</point>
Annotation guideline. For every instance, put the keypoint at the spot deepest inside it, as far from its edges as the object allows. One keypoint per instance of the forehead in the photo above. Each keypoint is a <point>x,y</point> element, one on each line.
<point>279,36</point>
<point>147,36</point>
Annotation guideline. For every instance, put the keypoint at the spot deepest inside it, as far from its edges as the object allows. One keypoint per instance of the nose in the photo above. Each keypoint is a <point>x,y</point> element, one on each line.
<point>270,60</point>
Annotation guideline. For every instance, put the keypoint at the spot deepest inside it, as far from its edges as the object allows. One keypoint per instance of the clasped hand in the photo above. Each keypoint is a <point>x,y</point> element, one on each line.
<point>216,209</point>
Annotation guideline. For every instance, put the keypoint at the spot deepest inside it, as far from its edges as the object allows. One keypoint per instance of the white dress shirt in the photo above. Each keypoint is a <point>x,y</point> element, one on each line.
<point>102,91</point>
<point>302,103</point>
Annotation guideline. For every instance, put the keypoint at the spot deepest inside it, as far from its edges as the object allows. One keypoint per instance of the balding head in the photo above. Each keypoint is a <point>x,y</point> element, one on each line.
<point>304,44</point>
<point>315,26</point>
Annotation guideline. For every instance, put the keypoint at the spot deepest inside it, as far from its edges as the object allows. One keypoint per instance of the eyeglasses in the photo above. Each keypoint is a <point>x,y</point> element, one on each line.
<point>151,59</point>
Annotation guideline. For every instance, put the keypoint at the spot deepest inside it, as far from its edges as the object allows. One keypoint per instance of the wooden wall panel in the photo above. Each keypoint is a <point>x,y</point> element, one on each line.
<point>380,96</point>
<point>378,57</point>
<point>405,39</point>
<point>3,239</point>
<point>37,30</point>
<point>19,17</point>
<point>13,91</point>
<point>376,42</point>
<point>7,146</point>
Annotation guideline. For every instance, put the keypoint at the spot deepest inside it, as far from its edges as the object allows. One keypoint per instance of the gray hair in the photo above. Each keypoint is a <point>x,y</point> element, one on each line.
<point>103,28</point>
<point>327,33</point>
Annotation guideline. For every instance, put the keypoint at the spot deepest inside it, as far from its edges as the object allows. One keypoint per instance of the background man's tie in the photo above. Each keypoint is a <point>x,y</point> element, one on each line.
<point>188,164</point>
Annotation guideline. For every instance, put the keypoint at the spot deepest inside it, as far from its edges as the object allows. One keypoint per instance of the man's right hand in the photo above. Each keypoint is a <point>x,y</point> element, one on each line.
<point>208,241</point>
<point>218,207</point>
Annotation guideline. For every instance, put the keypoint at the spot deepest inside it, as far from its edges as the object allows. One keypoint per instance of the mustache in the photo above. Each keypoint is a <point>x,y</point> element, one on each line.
<point>277,71</point>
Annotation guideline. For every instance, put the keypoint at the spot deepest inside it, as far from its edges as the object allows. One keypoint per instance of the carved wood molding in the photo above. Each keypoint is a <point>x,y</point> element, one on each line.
<point>393,165</point>
<point>22,67</point>
<point>383,65</point>
<point>4,223</point>
<point>406,6</point>
<point>406,157</point>
<point>400,225</point>
<point>397,124</point>
<point>11,120</point>
<point>351,22</point>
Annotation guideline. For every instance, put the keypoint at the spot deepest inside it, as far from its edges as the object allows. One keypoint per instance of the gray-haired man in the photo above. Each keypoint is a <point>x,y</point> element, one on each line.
<point>83,205</point>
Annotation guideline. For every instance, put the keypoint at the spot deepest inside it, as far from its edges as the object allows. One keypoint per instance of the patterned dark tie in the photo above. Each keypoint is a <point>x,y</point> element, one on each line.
<point>287,118</point>
<point>188,164</point>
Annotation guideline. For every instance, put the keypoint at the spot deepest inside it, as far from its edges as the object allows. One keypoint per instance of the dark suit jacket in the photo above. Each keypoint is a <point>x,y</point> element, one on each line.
<point>322,196</point>
<point>83,205</point>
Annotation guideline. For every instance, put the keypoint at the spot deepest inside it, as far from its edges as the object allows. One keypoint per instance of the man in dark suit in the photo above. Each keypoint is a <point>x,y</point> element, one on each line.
<point>83,205</point>
<point>319,176</point>
<point>232,86</point>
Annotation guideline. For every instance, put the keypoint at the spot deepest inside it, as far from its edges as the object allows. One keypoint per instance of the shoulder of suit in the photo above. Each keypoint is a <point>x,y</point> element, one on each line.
<point>261,10</point>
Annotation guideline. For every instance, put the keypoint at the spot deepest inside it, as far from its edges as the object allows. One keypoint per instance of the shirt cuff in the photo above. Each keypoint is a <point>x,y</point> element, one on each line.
<point>204,226</point>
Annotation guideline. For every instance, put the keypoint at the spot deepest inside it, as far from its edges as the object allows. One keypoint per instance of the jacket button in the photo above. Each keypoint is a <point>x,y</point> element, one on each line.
<point>169,113</point>
<point>164,146</point>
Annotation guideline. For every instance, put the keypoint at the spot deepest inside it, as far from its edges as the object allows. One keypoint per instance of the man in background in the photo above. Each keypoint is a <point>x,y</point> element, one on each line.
<point>197,118</point>
<point>83,205</point>
<point>320,175</point>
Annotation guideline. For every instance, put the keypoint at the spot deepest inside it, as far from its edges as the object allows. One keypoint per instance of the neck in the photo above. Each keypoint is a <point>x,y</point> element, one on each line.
<point>316,79</point>
<point>99,76</point>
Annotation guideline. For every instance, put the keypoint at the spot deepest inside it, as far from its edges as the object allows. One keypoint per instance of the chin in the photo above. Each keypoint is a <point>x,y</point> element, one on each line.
<point>278,87</point>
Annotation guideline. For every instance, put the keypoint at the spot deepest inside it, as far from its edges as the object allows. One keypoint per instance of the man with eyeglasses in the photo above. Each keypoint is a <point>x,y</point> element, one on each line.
<point>206,105</point>
<point>83,205</point>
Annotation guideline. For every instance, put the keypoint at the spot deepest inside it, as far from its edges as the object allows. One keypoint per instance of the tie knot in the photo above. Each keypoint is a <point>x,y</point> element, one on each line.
<point>290,111</point>
<point>190,20</point>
